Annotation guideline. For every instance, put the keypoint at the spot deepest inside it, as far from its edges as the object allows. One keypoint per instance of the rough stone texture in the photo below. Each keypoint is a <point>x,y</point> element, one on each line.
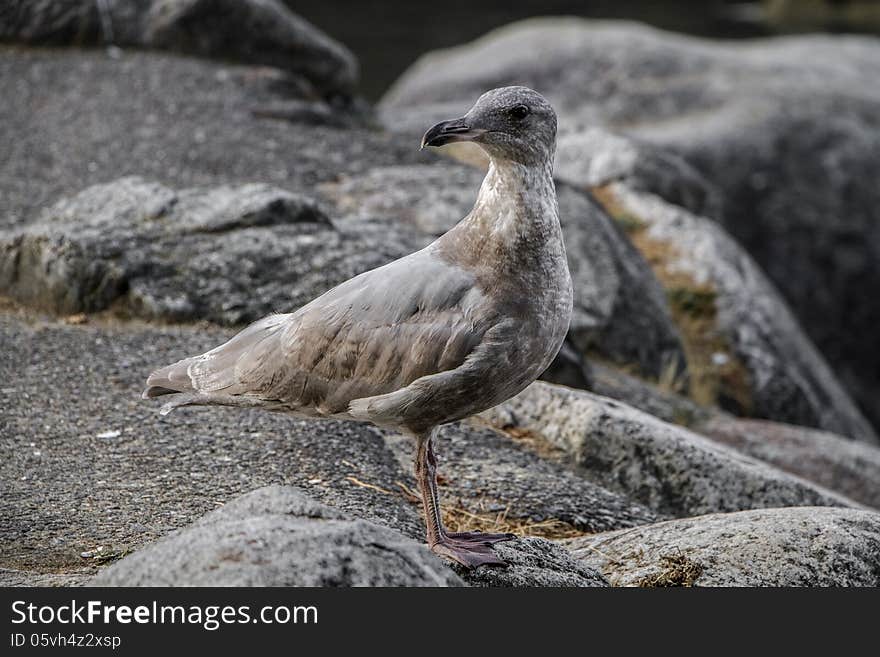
<point>789,379</point>
<point>261,32</point>
<point>850,468</point>
<point>665,467</point>
<point>72,119</point>
<point>594,157</point>
<point>487,471</point>
<point>534,562</point>
<point>786,129</point>
<point>276,536</point>
<point>74,484</point>
<point>620,310</point>
<point>227,254</point>
<point>832,461</point>
<point>9,577</point>
<point>808,546</point>
<point>429,198</point>
<point>97,467</point>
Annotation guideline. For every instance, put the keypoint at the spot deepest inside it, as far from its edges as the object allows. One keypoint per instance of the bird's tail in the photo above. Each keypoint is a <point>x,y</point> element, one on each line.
<point>169,380</point>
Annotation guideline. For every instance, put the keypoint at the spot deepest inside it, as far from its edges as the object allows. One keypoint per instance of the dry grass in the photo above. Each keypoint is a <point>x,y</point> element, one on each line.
<point>363,484</point>
<point>676,570</point>
<point>694,311</point>
<point>458,518</point>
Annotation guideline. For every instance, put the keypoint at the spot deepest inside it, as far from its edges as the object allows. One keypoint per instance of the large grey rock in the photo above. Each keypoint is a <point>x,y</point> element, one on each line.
<point>226,254</point>
<point>181,121</point>
<point>620,311</point>
<point>832,461</point>
<point>665,467</point>
<point>787,378</point>
<point>534,562</point>
<point>810,546</point>
<point>785,128</point>
<point>595,157</point>
<point>845,466</point>
<point>262,32</point>
<point>100,473</point>
<point>276,536</point>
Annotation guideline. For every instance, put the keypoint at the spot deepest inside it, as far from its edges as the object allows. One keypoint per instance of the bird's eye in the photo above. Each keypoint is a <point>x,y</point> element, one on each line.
<point>519,112</point>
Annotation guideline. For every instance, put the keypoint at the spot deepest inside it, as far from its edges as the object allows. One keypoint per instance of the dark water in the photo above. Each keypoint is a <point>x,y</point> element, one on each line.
<point>387,36</point>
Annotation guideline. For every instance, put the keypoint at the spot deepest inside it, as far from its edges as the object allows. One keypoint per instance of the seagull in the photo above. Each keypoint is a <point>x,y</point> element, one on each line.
<point>432,338</point>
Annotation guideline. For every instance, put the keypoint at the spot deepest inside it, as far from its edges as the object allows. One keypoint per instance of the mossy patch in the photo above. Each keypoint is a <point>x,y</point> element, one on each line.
<point>627,221</point>
<point>695,301</point>
<point>715,376</point>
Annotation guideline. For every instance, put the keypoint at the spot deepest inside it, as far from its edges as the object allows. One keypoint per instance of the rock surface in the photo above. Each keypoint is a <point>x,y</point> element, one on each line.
<point>227,254</point>
<point>11,577</point>
<point>102,474</point>
<point>656,400</point>
<point>180,121</point>
<point>489,471</point>
<point>667,468</point>
<point>261,32</point>
<point>714,282</point>
<point>276,536</point>
<point>847,467</point>
<point>808,546</point>
<point>785,128</point>
<point>594,157</point>
<point>535,562</point>
<point>832,461</point>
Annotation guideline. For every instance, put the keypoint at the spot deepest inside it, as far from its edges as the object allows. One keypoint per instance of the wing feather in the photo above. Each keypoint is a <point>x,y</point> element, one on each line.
<point>369,336</point>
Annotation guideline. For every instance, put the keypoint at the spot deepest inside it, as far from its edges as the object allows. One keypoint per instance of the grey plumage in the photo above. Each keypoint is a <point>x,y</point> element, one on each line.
<point>433,337</point>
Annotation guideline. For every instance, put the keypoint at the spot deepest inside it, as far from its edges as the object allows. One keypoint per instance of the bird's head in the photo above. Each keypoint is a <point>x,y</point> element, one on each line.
<point>510,123</point>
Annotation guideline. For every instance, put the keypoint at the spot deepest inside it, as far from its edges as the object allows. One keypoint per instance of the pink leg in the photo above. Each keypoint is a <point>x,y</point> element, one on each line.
<point>470,549</point>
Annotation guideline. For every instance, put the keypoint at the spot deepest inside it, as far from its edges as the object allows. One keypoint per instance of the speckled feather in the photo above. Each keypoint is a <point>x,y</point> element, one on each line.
<point>433,337</point>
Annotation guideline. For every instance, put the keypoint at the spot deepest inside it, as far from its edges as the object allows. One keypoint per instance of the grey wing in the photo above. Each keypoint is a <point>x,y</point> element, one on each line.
<point>372,335</point>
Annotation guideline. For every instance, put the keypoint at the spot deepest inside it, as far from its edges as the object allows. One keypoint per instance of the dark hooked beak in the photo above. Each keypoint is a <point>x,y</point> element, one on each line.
<point>447,132</point>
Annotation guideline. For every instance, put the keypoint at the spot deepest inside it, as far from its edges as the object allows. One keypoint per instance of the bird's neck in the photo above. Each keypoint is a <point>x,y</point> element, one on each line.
<point>513,229</point>
<point>516,205</point>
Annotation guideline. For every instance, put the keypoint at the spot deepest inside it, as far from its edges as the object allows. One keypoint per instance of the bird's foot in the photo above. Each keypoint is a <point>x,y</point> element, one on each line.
<point>471,549</point>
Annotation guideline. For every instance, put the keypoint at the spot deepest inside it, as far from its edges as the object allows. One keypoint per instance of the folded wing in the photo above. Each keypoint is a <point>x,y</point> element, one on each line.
<point>371,335</point>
